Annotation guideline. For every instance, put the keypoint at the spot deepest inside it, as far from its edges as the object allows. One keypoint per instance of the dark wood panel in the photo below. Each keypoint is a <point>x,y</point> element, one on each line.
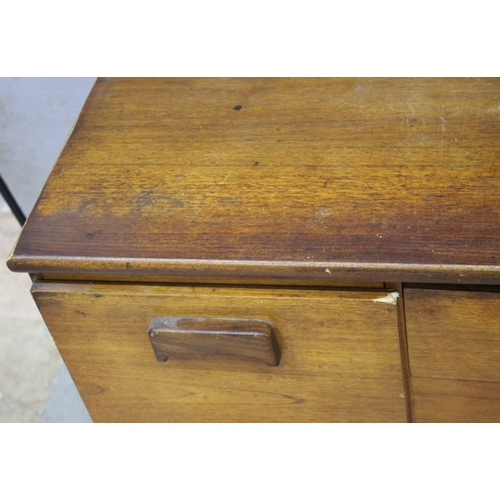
<point>214,279</point>
<point>353,179</point>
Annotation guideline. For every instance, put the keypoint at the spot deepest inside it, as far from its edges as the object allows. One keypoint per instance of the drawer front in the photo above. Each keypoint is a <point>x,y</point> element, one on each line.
<point>339,354</point>
<point>447,400</point>
<point>454,353</point>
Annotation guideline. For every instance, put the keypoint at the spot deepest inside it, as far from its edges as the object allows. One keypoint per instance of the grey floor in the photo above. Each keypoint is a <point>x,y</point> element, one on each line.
<point>35,385</point>
<point>36,118</point>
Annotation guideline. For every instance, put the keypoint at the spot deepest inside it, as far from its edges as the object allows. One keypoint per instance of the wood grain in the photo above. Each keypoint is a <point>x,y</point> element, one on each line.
<point>453,334</point>
<point>249,340</point>
<point>439,400</point>
<point>340,354</point>
<point>341,179</point>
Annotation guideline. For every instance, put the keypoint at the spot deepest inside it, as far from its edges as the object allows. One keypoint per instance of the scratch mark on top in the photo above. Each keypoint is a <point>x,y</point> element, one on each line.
<point>225,179</point>
<point>289,239</point>
<point>494,110</point>
<point>465,119</point>
<point>443,123</point>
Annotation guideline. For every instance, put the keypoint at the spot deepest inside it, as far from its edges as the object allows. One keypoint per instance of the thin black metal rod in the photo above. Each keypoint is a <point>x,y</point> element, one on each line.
<point>7,195</point>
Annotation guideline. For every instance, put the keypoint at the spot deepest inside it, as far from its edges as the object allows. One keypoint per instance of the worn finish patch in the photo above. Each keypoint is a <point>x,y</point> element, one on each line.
<point>389,299</point>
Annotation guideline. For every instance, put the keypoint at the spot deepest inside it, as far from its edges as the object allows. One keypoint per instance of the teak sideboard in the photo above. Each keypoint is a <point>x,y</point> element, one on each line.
<point>276,250</point>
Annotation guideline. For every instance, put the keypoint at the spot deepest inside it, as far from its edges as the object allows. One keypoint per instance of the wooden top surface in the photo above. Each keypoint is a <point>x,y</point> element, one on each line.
<point>383,179</point>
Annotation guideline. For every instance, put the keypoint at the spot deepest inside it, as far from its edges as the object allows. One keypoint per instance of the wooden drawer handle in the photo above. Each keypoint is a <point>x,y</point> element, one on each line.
<point>195,338</point>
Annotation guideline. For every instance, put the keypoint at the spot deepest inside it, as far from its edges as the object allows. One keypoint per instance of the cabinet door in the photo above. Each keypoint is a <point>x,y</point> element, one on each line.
<point>339,357</point>
<point>454,352</point>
